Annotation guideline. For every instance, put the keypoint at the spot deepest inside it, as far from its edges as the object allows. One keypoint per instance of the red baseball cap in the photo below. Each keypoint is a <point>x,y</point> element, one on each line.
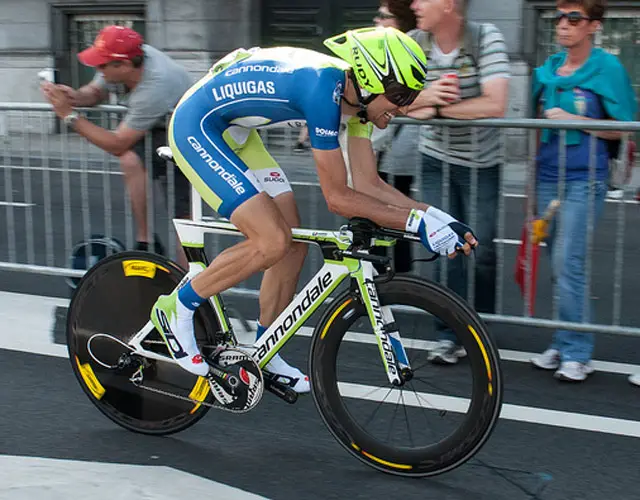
<point>113,43</point>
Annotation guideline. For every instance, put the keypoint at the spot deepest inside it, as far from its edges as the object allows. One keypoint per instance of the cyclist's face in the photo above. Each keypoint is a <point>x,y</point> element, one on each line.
<point>380,111</point>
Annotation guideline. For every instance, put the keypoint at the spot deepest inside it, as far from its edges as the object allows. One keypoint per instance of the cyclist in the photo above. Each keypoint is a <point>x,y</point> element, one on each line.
<point>213,137</point>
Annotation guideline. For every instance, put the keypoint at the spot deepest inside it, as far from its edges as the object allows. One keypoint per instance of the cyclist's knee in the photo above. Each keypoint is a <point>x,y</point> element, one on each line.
<point>275,245</point>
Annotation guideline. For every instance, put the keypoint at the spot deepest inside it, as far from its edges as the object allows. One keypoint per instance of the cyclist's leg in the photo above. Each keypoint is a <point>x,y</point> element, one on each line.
<point>279,281</point>
<point>224,182</point>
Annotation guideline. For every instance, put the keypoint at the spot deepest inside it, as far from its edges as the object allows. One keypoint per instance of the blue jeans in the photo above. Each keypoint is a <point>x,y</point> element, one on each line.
<point>568,253</point>
<point>484,226</point>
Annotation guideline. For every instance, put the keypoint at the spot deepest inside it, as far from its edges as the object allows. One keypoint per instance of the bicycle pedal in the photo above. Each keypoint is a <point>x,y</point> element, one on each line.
<point>283,391</point>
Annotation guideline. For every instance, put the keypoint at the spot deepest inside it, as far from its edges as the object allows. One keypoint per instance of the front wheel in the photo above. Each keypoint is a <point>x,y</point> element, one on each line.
<point>449,411</point>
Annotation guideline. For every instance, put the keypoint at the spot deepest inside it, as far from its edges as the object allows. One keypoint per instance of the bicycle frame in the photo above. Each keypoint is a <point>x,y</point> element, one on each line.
<point>337,267</point>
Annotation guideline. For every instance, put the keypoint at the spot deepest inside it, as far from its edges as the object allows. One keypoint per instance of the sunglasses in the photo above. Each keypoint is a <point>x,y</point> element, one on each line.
<point>574,17</point>
<point>385,15</point>
<point>399,95</point>
<point>113,64</point>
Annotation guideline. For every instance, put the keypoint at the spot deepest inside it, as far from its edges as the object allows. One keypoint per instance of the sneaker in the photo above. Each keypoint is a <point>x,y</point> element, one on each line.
<point>634,379</point>
<point>446,352</point>
<point>291,376</point>
<point>573,371</point>
<point>548,360</point>
<point>614,193</point>
<point>181,344</point>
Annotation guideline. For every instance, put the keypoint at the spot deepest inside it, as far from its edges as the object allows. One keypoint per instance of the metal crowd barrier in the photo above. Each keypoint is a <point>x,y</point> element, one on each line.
<point>58,190</point>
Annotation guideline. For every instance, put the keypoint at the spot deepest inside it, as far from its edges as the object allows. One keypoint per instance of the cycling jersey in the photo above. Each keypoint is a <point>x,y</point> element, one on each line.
<point>212,131</point>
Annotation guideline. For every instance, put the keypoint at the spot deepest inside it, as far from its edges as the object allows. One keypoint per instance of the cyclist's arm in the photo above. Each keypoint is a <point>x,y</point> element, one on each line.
<point>346,202</point>
<point>366,179</point>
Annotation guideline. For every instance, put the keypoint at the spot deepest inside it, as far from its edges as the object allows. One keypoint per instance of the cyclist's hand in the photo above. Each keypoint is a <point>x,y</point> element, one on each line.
<point>442,234</point>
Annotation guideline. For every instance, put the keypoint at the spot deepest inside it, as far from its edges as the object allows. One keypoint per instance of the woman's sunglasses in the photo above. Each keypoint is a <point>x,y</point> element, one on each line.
<point>574,17</point>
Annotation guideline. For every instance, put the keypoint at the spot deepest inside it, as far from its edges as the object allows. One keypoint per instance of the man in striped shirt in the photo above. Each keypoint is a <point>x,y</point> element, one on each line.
<point>467,79</point>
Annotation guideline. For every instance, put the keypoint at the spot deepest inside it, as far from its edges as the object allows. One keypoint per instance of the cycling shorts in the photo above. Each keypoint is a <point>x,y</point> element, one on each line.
<point>226,164</point>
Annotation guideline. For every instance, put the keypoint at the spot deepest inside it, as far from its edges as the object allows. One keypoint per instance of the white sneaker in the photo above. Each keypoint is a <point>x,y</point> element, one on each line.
<point>548,360</point>
<point>573,371</point>
<point>446,352</point>
<point>635,379</point>
<point>279,366</point>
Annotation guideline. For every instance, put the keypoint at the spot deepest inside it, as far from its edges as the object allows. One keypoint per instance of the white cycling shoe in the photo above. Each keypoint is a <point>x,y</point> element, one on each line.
<point>290,375</point>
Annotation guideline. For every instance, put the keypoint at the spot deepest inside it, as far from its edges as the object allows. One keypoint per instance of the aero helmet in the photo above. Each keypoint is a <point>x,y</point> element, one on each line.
<point>381,59</point>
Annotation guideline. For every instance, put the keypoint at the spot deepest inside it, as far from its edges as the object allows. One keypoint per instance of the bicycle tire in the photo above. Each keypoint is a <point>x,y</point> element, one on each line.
<point>485,404</point>
<point>115,297</point>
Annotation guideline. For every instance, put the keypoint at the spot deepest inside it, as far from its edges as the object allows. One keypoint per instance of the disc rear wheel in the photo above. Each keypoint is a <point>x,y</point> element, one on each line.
<point>113,301</point>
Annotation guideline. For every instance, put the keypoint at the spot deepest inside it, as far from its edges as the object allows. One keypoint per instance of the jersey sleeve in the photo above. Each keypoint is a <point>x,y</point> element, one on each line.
<point>321,106</point>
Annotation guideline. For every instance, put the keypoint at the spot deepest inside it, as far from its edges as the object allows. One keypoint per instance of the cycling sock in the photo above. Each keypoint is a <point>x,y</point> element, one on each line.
<point>189,298</point>
<point>188,301</point>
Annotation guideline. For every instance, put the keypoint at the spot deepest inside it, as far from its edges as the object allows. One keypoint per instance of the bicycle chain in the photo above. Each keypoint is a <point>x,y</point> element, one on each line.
<point>137,378</point>
<point>188,399</point>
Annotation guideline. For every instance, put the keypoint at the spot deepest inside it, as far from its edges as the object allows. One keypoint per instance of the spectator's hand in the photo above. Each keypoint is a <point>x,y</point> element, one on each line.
<point>71,93</point>
<point>59,100</point>
<point>558,114</point>
<point>443,92</point>
<point>442,234</point>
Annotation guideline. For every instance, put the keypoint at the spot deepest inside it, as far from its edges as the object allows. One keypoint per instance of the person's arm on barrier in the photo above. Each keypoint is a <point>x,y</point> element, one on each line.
<point>491,104</point>
<point>560,114</point>
<point>117,142</point>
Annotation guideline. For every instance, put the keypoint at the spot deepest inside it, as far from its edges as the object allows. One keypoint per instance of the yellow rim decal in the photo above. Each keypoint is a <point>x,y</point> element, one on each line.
<point>199,392</point>
<point>490,389</point>
<point>141,268</point>
<point>333,317</point>
<point>384,462</point>
<point>90,379</point>
<point>355,446</point>
<point>484,352</point>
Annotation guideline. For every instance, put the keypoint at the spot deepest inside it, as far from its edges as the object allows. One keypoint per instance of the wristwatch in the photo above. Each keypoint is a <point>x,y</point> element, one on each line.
<point>71,118</point>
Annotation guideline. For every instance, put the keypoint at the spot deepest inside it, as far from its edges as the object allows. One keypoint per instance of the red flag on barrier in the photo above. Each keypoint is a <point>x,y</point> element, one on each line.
<point>539,231</point>
<point>521,268</point>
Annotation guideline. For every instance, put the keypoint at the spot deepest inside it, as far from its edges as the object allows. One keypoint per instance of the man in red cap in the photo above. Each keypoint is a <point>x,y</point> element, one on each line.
<point>154,84</point>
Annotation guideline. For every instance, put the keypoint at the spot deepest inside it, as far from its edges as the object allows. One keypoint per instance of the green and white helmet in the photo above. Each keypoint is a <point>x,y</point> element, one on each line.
<point>381,59</point>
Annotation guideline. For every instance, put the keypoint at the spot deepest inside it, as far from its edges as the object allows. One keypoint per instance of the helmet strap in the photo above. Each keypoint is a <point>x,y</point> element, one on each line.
<point>362,102</point>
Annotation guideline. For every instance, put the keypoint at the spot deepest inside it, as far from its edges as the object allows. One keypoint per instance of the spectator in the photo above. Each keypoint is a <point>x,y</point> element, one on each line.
<point>154,84</point>
<point>301,143</point>
<point>476,54</point>
<point>579,83</point>
<point>396,145</point>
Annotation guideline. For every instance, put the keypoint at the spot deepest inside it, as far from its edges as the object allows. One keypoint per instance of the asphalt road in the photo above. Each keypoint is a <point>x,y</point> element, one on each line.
<point>554,440</point>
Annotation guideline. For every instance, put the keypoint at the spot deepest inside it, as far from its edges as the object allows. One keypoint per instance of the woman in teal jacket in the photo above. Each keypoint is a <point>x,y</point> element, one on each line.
<point>579,83</point>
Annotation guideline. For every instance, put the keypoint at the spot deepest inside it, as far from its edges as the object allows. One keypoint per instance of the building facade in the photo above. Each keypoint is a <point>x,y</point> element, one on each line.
<point>37,34</point>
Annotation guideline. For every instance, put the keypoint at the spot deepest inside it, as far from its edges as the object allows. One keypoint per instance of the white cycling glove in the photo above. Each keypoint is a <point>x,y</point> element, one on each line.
<point>440,233</point>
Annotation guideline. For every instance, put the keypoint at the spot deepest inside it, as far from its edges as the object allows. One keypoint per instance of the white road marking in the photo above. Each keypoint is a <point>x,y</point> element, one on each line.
<point>30,477</point>
<point>31,321</point>
<point>529,414</point>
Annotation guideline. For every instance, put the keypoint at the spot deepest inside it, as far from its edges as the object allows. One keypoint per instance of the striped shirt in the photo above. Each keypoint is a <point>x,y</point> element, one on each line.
<point>463,149</point>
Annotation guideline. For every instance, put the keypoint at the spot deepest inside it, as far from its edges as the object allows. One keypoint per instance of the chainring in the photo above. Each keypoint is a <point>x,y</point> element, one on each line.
<point>249,393</point>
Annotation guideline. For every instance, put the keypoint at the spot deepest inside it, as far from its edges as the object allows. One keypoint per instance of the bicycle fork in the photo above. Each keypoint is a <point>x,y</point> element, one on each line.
<point>394,356</point>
